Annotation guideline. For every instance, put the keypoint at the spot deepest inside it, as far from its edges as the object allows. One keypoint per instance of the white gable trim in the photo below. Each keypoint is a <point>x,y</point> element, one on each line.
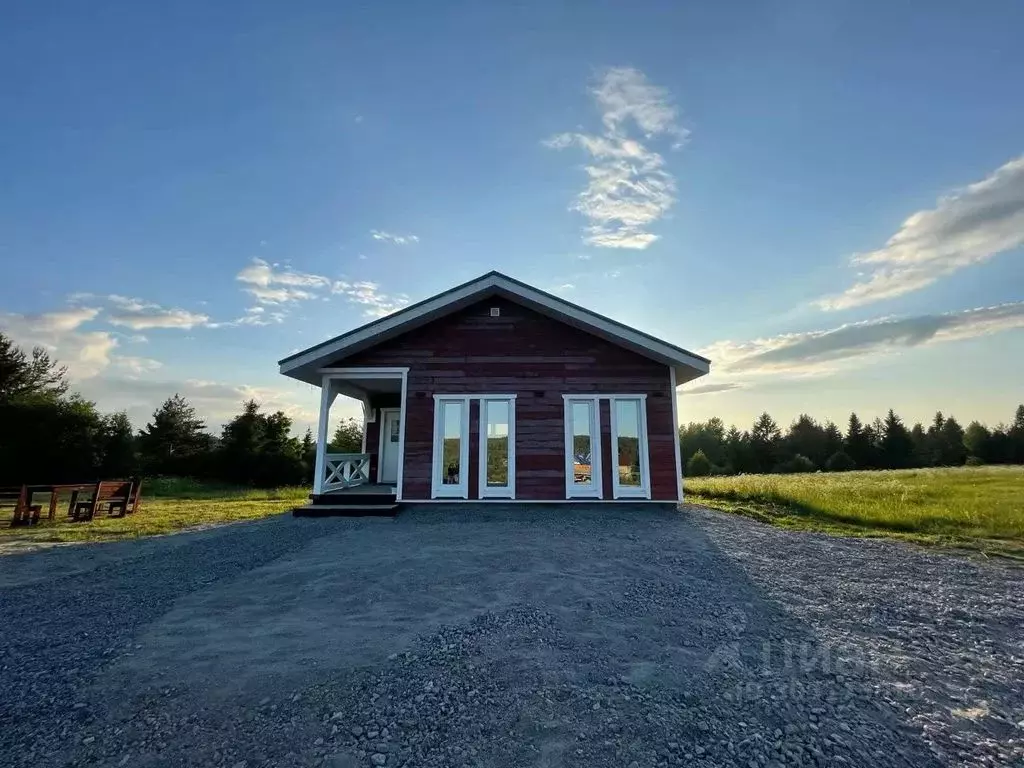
<point>304,364</point>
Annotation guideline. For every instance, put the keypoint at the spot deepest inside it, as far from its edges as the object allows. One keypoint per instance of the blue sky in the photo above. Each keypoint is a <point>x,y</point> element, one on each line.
<point>827,198</point>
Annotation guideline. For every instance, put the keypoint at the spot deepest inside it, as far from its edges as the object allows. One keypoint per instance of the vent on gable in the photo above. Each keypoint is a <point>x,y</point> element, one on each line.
<point>495,311</point>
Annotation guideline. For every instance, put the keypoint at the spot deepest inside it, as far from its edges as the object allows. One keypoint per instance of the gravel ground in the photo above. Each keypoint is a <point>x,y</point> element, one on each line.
<point>510,637</point>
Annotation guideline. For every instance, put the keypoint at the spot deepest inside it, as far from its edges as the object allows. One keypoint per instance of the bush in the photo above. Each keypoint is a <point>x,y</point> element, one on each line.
<point>798,463</point>
<point>698,465</point>
<point>840,461</point>
<point>974,461</point>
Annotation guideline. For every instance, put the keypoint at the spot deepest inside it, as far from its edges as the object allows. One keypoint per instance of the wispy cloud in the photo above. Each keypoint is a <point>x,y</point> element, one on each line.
<point>629,188</point>
<point>388,237</point>
<point>376,303</point>
<point>272,284</point>
<point>709,389</point>
<point>140,315</point>
<point>253,316</point>
<point>812,353</point>
<point>967,227</point>
<point>137,366</point>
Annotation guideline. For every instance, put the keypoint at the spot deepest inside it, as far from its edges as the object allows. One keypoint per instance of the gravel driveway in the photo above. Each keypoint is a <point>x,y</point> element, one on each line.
<point>509,637</point>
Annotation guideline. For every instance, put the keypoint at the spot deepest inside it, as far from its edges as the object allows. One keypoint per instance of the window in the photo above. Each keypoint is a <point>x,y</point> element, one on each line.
<point>497,447</point>
<point>630,472</point>
<point>451,447</point>
<point>631,475</point>
<point>582,448</point>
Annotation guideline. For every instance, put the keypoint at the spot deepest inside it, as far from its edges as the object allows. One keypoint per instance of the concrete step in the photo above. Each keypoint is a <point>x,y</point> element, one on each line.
<point>346,510</point>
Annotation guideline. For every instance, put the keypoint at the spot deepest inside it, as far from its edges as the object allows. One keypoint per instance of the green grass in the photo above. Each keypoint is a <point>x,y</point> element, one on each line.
<point>977,507</point>
<point>168,505</point>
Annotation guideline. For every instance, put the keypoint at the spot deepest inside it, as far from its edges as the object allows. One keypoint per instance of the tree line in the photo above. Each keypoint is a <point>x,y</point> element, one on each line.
<point>49,434</point>
<point>709,448</point>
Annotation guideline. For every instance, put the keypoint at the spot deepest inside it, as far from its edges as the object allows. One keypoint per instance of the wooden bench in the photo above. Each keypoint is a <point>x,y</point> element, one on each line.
<point>119,497</point>
<point>17,497</point>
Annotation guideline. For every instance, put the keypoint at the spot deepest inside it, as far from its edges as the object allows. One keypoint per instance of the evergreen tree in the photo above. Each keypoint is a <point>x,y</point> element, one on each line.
<point>858,443</point>
<point>807,438</point>
<point>978,442</point>
<point>174,439</point>
<point>348,437</point>
<point>308,449</point>
<point>833,439</point>
<point>1015,435</point>
<point>738,457</point>
<point>952,452</point>
<point>933,451</point>
<point>764,442</point>
<point>119,455</point>
<point>281,457</point>
<point>921,445</point>
<point>241,443</point>
<point>897,449</point>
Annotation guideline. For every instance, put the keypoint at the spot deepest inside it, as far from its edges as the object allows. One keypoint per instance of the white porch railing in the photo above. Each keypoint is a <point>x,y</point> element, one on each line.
<point>345,470</point>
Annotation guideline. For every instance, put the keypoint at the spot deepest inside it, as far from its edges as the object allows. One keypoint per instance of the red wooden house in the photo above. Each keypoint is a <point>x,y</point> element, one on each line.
<point>495,390</point>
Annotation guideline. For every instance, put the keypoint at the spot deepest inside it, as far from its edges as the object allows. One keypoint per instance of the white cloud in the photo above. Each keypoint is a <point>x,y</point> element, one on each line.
<point>271,284</point>
<point>85,353</point>
<point>137,366</point>
<point>629,188</point>
<point>967,227</point>
<point>813,353</point>
<point>388,237</point>
<point>369,295</point>
<point>254,316</point>
<point>140,315</point>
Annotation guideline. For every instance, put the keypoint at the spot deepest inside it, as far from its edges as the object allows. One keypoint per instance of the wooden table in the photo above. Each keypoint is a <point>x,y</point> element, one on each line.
<point>55,490</point>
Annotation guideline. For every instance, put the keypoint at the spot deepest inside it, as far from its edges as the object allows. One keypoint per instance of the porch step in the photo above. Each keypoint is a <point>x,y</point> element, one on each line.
<point>346,510</point>
<point>344,499</point>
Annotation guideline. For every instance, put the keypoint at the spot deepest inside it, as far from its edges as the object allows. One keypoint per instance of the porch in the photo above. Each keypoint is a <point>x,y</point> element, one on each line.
<point>368,482</point>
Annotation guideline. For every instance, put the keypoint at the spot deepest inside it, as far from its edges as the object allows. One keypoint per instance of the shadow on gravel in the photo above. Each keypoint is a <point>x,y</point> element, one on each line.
<point>475,635</point>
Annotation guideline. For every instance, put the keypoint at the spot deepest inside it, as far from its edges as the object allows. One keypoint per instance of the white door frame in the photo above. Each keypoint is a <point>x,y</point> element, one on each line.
<point>380,439</point>
<point>596,488</point>
<point>438,489</point>
<point>508,491</point>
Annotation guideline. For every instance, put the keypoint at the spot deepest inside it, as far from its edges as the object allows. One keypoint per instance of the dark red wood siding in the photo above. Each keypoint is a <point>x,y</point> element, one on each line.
<point>538,359</point>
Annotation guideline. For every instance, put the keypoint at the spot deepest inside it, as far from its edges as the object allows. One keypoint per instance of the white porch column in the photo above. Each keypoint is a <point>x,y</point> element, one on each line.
<point>327,395</point>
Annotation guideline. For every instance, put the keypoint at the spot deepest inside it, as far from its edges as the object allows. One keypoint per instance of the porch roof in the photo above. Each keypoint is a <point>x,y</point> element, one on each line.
<point>305,365</point>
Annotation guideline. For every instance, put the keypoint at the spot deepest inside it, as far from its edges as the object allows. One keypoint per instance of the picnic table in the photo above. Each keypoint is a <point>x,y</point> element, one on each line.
<point>120,495</point>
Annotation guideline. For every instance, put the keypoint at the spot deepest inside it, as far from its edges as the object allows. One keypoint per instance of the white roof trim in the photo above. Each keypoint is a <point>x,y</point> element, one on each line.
<point>305,365</point>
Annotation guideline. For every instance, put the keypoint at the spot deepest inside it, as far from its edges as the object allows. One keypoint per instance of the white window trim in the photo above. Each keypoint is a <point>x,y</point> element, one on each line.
<point>380,437</point>
<point>573,491</point>
<point>483,490</point>
<point>439,490</point>
<point>619,491</point>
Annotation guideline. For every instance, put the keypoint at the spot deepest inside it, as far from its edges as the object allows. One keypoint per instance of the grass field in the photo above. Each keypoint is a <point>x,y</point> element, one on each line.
<point>977,507</point>
<point>168,505</point>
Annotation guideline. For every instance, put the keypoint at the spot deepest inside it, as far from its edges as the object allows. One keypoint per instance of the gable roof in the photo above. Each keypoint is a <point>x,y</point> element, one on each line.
<point>305,365</point>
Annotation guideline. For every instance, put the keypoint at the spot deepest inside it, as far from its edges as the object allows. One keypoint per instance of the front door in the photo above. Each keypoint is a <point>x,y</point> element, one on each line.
<point>390,430</point>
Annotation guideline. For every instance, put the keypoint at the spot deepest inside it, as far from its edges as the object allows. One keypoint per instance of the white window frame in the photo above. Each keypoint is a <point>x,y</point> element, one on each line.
<point>619,491</point>
<point>501,492</point>
<point>596,488</point>
<point>438,489</point>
